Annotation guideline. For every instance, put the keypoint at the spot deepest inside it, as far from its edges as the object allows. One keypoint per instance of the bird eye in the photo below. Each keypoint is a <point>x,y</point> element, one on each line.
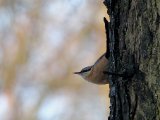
<point>86,69</point>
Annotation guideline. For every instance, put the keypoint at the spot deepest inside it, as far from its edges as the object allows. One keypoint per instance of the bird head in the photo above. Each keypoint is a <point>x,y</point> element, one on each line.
<point>84,72</point>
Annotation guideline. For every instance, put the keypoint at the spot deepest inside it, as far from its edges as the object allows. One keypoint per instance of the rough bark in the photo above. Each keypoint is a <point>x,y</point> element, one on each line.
<point>134,40</point>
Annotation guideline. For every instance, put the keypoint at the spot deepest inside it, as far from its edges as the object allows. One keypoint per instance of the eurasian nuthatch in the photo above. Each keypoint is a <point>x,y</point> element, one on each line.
<point>95,73</point>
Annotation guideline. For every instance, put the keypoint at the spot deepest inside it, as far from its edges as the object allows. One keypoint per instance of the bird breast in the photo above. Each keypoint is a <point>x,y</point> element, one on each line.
<point>97,73</point>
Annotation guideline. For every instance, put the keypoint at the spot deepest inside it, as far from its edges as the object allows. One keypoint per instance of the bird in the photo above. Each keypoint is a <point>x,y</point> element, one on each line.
<point>95,73</point>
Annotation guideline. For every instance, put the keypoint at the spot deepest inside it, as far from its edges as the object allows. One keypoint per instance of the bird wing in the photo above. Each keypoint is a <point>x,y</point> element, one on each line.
<point>100,58</point>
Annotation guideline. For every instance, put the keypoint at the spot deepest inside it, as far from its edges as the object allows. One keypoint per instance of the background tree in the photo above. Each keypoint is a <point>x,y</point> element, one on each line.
<point>39,42</point>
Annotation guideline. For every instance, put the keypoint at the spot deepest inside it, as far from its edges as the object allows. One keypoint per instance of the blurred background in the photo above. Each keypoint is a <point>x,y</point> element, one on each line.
<point>42,42</point>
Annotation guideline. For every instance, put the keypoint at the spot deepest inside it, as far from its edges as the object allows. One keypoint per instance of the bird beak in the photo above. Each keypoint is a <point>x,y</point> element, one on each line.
<point>77,72</point>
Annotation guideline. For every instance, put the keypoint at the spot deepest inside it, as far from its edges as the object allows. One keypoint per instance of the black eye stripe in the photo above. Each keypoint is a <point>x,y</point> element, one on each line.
<point>86,69</point>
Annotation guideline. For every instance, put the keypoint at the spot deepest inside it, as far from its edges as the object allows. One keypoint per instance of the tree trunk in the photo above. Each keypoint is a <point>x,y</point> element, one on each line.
<point>134,44</point>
